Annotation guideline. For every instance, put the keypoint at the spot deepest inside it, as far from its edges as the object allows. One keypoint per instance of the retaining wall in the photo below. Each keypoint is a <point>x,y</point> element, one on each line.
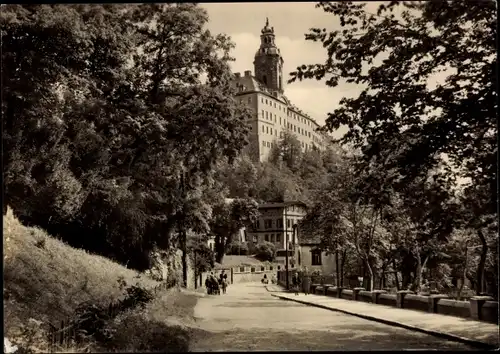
<point>478,308</point>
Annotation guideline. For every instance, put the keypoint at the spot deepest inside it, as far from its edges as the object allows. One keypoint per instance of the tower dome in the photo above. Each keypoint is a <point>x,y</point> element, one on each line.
<point>268,63</point>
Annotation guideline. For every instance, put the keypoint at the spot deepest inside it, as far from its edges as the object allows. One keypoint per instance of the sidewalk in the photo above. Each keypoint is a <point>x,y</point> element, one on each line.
<point>475,333</point>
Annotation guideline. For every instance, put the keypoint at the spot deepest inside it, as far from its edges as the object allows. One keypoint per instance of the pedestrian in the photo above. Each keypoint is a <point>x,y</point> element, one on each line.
<point>306,281</point>
<point>223,281</point>
<point>208,285</point>
<point>296,282</point>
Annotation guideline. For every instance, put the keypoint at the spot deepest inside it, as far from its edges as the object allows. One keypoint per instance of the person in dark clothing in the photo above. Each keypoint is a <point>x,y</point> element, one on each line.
<point>223,281</point>
<point>296,283</point>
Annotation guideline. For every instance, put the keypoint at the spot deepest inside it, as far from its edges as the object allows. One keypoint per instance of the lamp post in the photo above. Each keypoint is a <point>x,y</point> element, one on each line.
<point>286,248</point>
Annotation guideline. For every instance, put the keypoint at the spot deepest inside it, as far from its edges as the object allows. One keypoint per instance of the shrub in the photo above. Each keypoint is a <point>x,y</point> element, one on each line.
<point>265,251</point>
<point>237,248</point>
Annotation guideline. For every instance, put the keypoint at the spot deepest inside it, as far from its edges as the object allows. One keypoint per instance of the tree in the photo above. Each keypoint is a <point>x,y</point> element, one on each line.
<point>237,248</point>
<point>287,152</point>
<point>397,113</point>
<point>201,254</point>
<point>265,251</point>
<point>229,218</point>
<point>96,147</point>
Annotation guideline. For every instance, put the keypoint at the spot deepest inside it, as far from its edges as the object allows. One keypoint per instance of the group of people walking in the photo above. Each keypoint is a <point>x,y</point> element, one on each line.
<point>215,285</point>
<point>301,281</point>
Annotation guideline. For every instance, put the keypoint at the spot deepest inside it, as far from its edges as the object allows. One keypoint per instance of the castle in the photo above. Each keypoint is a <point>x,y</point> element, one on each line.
<point>273,113</point>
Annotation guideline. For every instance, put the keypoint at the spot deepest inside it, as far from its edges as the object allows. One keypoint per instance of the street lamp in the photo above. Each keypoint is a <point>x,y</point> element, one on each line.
<point>286,248</point>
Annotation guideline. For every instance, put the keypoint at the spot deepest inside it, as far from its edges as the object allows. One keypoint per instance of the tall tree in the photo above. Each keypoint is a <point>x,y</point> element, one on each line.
<point>95,128</point>
<point>397,111</point>
<point>229,218</point>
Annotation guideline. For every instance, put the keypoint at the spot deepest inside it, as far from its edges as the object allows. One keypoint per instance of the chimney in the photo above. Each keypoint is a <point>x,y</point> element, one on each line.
<point>237,75</point>
<point>248,73</point>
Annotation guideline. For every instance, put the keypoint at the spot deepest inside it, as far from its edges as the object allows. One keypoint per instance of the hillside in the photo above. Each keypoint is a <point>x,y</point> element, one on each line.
<point>46,280</point>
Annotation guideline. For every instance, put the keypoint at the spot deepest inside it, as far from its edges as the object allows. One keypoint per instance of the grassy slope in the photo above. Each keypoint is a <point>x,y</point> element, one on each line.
<point>46,279</point>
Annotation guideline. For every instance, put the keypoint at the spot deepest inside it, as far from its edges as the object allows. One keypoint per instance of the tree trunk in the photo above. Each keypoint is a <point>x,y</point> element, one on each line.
<point>184,258</point>
<point>342,263</point>
<point>464,275</point>
<point>219,249</point>
<point>418,275</point>
<point>337,266</point>
<point>370,274</point>
<point>396,279</point>
<point>482,263</point>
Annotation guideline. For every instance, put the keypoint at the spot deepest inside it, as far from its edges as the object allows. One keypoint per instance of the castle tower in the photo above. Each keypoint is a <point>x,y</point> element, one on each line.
<point>268,63</point>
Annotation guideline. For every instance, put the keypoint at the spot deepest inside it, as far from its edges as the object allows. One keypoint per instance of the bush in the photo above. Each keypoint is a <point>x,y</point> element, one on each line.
<point>265,251</point>
<point>237,248</point>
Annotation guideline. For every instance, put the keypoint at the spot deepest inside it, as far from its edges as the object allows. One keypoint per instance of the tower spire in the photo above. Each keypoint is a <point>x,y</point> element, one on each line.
<point>267,21</point>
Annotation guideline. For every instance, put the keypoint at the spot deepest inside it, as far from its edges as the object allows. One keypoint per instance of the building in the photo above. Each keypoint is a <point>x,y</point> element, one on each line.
<point>309,254</point>
<point>273,113</point>
<point>277,220</point>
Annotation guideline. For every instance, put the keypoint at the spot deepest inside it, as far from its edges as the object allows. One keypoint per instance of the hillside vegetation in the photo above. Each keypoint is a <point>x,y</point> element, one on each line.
<point>46,280</point>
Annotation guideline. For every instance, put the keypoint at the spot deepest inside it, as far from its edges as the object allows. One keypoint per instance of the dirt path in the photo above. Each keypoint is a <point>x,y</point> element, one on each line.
<point>248,318</point>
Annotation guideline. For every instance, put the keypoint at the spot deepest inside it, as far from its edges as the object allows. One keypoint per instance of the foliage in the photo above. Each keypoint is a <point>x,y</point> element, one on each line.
<point>202,256</point>
<point>237,248</point>
<point>105,108</point>
<point>416,135</point>
<point>265,251</point>
<point>229,218</point>
<point>397,111</point>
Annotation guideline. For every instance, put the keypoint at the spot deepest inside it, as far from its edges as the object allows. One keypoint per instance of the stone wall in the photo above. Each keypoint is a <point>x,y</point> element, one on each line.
<point>477,308</point>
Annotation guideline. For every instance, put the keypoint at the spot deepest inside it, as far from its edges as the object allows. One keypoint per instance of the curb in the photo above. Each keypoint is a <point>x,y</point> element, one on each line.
<point>452,337</point>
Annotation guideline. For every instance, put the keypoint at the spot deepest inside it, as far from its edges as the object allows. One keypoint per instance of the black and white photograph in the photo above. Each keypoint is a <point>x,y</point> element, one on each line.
<point>250,176</point>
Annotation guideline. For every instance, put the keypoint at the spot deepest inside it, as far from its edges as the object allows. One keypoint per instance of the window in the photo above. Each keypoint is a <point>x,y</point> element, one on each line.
<point>316,257</point>
<point>266,100</point>
<point>266,237</point>
<point>268,223</point>
<point>274,104</point>
<point>266,115</point>
<point>254,239</point>
<point>299,258</point>
<point>288,223</point>
<point>279,267</point>
<point>263,143</point>
<point>275,118</point>
<point>267,130</point>
<point>242,269</point>
<point>262,99</point>
<point>309,134</point>
<point>252,269</point>
<point>279,223</point>
<point>268,144</point>
<point>262,269</point>
<point>278,237</point>
<point>271,131</point>
<point>271,268</point>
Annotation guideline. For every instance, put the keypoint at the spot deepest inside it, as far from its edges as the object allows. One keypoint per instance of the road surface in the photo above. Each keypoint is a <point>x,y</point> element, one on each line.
<point>248,318</point>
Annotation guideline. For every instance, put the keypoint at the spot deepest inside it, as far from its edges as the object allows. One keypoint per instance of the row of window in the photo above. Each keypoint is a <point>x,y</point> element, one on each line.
<point>272,237</point>
<point>269,130</point>
<point>267,144</point>
<point>270,223</point>
<point>271,103</point>
<point>299,118</point>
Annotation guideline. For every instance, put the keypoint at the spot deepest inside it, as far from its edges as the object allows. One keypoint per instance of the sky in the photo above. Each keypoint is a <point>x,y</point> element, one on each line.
<point>291,21</point>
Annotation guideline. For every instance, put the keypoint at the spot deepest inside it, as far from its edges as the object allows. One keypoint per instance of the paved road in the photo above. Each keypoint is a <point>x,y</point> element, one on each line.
<point>249,318</point>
